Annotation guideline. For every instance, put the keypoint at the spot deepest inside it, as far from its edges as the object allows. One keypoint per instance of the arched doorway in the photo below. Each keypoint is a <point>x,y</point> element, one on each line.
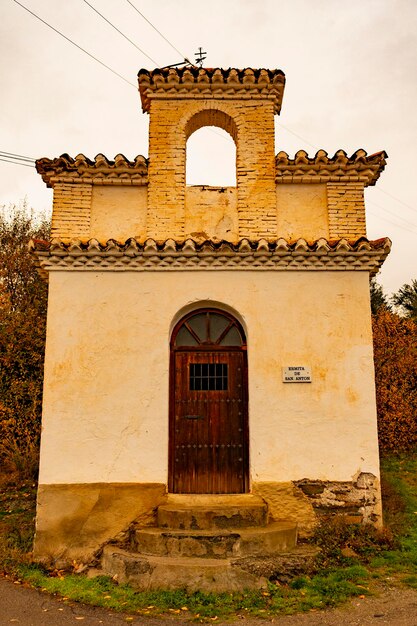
<point>208,435</point>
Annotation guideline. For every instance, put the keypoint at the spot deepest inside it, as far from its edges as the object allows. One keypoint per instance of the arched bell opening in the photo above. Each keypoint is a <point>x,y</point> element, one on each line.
<point>210,134</point>
<point>208,433</point>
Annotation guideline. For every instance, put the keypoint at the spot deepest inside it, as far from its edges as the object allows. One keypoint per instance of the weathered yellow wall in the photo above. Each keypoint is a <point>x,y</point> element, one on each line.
<point>106,372</point>
<point>287,502</point>
<point>74,521</point>
<point>211,213</point>
<point>302,211</point>
<point>311,211</point>
<point>118,212</point>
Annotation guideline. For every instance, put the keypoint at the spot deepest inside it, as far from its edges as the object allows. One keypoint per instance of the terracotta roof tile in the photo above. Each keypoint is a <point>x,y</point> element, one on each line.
<point>302,168</point>
<point>82,169</point>
<point>216,82</point>
<point>360,167</point>
<point>341,254</point>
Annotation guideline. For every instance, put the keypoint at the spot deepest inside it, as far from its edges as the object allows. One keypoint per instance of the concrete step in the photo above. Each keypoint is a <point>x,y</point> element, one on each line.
<point>206,512</point>
<point>283,567</point>
<point>217,544</point>
<point>158,572</point>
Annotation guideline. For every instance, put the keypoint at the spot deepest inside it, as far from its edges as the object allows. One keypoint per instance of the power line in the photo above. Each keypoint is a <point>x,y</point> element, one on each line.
<point>75,44</point>
<point>280,124</point>
<point>392,213</point>
<point>18,159</point>
<point>391,222</point>
<point>17,156</point>
<point>158,31</point>
<point>120,32</point>
<point>397,199</point>
<point>378,188</point>
<point>16,162</point>
<point>144,53</point>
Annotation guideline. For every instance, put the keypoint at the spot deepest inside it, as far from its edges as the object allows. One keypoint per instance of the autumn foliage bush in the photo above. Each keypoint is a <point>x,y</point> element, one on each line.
<point>23,297</point>
<point>395,355</point>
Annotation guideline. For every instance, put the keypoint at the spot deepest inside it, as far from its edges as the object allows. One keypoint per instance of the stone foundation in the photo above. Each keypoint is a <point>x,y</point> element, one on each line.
<point>75,521</point>
<point>359,500</point>
<point>305,501</point>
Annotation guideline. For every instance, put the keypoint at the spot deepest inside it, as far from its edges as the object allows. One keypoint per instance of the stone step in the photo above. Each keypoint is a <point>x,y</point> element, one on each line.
<point>156,572</point>
<point>217,544</point>
<point>205,512</point>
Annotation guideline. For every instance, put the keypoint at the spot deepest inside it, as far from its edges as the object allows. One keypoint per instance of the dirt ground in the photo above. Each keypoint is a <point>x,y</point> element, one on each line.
<point>396,606</point>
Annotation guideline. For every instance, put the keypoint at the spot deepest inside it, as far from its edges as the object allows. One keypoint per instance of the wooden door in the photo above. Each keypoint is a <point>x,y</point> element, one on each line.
<point>208,427</point>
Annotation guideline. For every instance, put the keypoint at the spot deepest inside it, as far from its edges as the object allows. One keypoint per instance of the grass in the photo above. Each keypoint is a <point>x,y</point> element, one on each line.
<point>303,594</point>
<point>372,556</point>
<point>400,485</point>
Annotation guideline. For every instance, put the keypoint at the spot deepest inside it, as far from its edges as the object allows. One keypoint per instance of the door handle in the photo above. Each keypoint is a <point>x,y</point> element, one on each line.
<point>193,417</point>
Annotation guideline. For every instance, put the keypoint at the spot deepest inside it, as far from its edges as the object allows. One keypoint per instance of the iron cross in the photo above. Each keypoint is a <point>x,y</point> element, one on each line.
<point>199,56</point>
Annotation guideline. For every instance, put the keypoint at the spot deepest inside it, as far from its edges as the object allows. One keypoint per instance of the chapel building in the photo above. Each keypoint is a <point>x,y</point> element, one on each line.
<point>206,345</point>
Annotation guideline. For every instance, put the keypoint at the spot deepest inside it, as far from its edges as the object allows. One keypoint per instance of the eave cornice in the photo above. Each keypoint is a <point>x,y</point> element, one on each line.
<point>198,82</point>
<point>301,169</point>
<point>324,169</point>
<point>100,171</point>
<point>362,255</point>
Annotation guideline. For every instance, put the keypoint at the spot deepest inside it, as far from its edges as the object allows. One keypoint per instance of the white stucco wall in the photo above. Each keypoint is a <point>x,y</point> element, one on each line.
<point>107,363</point>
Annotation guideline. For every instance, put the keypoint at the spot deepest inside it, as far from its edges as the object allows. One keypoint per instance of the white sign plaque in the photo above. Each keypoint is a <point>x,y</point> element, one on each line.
<point>296,374</point>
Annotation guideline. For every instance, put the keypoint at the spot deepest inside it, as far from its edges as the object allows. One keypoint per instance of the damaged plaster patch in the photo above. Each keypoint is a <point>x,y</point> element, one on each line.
<point>359,500</point>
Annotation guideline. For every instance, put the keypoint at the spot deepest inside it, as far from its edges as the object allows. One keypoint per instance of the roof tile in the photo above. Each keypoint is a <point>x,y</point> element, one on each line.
<point>216,82</point>
<point>322,168</point>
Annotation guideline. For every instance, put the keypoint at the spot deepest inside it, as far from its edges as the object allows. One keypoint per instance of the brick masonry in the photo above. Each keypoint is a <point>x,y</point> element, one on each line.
<point>243,104</point>
<point>71,211</point>
<point>251,124</point>
<point>346,207</point>
<point>169,217</point>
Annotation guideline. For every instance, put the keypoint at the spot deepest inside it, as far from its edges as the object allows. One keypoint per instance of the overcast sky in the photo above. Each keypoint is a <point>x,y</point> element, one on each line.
<point>351,70</point>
